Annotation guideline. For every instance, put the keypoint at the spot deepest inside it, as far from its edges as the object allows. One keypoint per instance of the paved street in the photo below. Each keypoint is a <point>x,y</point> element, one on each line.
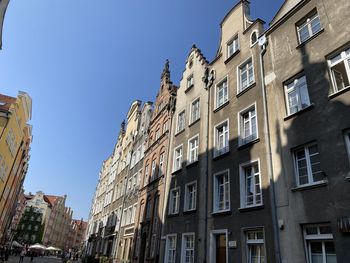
<point>14,259</point>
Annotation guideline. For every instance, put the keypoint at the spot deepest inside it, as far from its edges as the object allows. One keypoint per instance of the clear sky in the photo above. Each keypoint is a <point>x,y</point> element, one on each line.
<point>83,62</point>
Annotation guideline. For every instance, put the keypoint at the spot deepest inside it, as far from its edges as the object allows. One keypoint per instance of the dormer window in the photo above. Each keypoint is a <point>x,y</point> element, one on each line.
<point>232,46</point>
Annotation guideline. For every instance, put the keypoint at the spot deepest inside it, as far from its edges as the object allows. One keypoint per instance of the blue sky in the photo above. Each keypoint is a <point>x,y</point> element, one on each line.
<point>83,62</point>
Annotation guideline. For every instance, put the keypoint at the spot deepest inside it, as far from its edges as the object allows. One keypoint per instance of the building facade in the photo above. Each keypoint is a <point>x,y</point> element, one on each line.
<point>251,161</point>
<point>307,77</point>
<point>151,199</point>
<point>15,139</point>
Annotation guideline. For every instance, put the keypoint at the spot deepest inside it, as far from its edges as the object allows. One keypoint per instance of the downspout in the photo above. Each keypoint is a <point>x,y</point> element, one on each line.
<point>208,82</point>
<point>269,158</point>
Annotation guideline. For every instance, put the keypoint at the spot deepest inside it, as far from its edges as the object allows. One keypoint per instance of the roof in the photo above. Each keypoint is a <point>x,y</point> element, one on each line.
<point>51,199</point>
<point>6,101</point>
<point>284,9</point>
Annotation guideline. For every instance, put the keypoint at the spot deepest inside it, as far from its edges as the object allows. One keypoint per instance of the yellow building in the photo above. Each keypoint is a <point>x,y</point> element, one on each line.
<point>15,138</point>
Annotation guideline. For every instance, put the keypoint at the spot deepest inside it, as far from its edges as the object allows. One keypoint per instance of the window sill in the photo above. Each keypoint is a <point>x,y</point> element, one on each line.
<point>251,208</point>
<point>179,132</point>
<point>221,106</point>
<point>189,88</point>
<point>232,56</point>
<point>194,122</point>
<point>221,213</point>
<point>310,186</point>
<point>339,92</point>
<point>192,164</point>
<point>299,112</point>
<point>310,38</point>
<point>173,215</point>
<point>176,171</point>
<point>246,89</point>
<point>188,212</point>
<point>218,156</point>
<point>247,144</point>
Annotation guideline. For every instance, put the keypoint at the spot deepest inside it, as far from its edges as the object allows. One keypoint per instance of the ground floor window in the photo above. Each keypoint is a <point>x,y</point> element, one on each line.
<point>170,254</point>
<point>319,245</point>
<point>255,246</point>
<point>188,242</point>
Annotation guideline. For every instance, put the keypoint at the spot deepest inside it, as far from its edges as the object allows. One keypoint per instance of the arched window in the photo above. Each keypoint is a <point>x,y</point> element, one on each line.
<point>253,38</point>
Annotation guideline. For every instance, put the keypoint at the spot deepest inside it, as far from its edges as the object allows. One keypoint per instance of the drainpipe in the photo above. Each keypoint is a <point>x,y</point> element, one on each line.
<point>269,155</point>
<point>208,79</point>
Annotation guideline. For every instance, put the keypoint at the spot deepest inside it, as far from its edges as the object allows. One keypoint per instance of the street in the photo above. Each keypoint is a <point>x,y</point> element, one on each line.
<point>15,259</point>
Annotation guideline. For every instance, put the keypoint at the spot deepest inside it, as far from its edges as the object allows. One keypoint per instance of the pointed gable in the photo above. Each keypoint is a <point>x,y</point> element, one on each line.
<point>284,9</point>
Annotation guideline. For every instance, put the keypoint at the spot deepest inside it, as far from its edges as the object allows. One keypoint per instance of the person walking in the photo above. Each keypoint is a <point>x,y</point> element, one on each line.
<point>21,255</point>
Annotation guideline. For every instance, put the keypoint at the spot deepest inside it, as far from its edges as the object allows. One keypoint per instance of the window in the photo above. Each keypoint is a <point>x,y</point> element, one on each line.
<point>308,27</point>
<point>187,251</point>
<point>248,126</point>
<point>232,46</point>
<point>246,75</point>
<point>297,96</point>
<point>221,93</point>
<point>307,163</point>
<point>253,38</point>
<point>255,246</point>
<point>347,142</point>
<point>195,113</point>
<point>157,134</point>
<point>221,192</point>
<point>319,244</point>
<point>180,121</point>
<point>148,209</point>
<point>190,82</point>
<point>174,201</point>
<point>340,70</point>
<point>190,196</point>
<point>177,158</point>
<point>146,175</point>
<point>165,126</point>
<point>221,139</point>
<point>153,171</point>
<point>193,149</point>
<point>161,163</point>
<point>170,249</point>
<point>250,185</point>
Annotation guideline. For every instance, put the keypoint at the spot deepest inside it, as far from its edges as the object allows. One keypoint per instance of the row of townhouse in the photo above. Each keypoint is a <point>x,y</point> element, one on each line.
<point>248,160</point>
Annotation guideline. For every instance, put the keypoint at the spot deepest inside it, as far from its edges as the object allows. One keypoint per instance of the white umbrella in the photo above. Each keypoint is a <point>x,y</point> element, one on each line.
<point>38,246</point>
<point>16,244</point>
<point>53,248</point>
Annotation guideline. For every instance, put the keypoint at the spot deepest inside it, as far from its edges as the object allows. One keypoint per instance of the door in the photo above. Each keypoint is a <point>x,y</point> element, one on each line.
<point>220,248</point>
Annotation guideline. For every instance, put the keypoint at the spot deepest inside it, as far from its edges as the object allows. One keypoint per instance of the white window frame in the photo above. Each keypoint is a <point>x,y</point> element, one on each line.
<point>239,74</point>
<point>243,184</point>
<point>216,192</point>
<point>226,148</point>
<point>235,42</point>
<point>308,165</point>
<point>186,201</point>
<point>316,237</point>
<point>166,259</point>
<point>161,163</point>
<point>347,142</point>
<point>175,168</point>
<point>212,241</point>
<point>255,241</point>
<point>306,22</point>
<point>292,86</point>
<point>257,38</point>
<point>153,168</point>
<point>241,125</point>
<point>190,81</point>
<point>184,249</point>
<point>194,150</point>
<point>193,118</point>
<point>171,201</point>
<point>180,128</point>
<point>343,57</point>
<point>225,98</point>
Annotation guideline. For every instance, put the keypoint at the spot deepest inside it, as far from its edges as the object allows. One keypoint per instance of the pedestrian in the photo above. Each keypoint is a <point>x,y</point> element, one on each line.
<point>31,256</point>
<point>7,253</point>
<point>21,255</point>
